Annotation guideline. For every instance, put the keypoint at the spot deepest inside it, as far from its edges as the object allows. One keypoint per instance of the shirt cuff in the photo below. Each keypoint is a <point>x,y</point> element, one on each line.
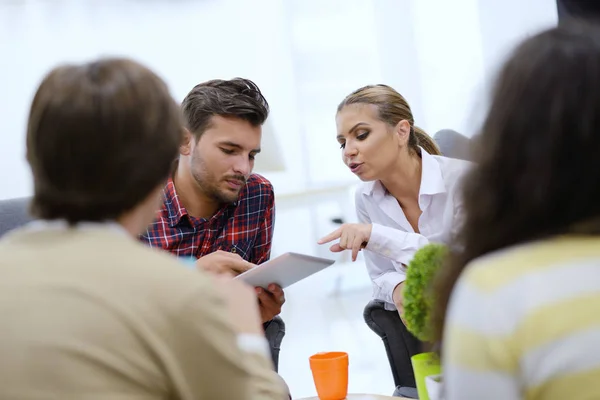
<point>393,244</point>
<point>387,283</point>
<point>377,241</point>
<point>254,344</point>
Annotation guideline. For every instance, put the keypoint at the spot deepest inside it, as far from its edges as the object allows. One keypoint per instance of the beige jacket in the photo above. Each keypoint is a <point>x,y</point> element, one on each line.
<point>91,313</point>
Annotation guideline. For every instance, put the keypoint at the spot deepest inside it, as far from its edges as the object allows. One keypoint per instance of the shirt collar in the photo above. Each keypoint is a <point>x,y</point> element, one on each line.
<point>432,181</point>
<point>176,211</point>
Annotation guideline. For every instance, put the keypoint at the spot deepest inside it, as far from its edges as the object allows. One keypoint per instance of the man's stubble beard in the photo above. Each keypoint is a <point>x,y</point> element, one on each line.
<point>209,184</point>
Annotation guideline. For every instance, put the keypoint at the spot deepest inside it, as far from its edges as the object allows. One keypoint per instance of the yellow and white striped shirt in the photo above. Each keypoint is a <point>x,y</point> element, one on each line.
<point>524,323</point>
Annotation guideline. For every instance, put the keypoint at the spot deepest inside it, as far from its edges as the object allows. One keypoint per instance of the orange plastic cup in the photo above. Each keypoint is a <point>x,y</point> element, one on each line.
<point>330,374</point>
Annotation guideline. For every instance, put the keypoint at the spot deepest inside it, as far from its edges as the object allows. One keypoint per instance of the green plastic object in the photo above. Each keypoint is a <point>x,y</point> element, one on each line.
<point>424,365</point>
<point>418,296</point>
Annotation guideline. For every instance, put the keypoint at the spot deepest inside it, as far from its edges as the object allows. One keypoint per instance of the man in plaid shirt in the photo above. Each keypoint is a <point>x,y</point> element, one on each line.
<point>214,208</point>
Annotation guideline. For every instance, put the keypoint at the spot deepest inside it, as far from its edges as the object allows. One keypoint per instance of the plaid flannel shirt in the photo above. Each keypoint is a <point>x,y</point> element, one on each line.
<point>244,227</point>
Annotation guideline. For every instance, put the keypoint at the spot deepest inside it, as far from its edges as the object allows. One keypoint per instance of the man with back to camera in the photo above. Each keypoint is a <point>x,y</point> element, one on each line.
<point>89,311</point>
<point>214,208</point>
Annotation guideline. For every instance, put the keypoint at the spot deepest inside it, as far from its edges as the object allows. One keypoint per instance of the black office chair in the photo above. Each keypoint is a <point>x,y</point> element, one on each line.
<point>453,144</point>
<point>400,346</point>
<point>274,332</point>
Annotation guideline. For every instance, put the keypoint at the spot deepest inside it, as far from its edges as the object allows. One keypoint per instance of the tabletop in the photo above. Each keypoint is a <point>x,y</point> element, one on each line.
<point>362,397</point>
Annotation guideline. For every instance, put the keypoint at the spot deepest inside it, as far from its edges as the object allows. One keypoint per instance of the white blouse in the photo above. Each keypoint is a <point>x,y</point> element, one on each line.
<point>393,241</point>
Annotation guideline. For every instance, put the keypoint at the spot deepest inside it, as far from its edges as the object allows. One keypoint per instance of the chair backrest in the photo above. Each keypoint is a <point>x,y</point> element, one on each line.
<point>14,213</point>
<point>453,145</point>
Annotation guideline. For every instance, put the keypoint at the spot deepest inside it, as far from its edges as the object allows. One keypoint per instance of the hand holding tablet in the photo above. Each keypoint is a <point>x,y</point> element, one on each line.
<point>222,262</point>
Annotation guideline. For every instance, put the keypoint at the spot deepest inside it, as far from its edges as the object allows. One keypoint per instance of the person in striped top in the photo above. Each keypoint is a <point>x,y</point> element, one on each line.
<point>517,311</point>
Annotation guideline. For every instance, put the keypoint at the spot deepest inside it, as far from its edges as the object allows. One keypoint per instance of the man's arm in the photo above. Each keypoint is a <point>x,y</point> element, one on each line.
<point>218,358</point>
<point>261,250</point>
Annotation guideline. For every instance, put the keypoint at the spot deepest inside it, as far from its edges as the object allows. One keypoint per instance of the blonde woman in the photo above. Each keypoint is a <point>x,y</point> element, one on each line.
<point>408,198</point>
<point>409,195</point>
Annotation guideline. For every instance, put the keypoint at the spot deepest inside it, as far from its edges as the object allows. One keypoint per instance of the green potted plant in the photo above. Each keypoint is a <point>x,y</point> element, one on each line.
<point>418,303</point>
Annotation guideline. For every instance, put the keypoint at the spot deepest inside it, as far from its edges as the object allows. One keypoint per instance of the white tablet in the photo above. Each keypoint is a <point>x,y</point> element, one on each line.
<point>284,270</point>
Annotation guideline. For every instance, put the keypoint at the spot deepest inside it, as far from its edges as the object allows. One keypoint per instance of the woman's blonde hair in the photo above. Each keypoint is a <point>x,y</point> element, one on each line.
<point>392,108</point>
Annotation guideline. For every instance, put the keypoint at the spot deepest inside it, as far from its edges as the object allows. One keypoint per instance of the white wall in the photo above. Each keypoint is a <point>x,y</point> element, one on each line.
<point>186,42</point>
<point>333,54</point>
<point>399,52</point>
<point>443,55</point>
<point>450,57</point>
<point>306,55</point>
<point>504,24</point>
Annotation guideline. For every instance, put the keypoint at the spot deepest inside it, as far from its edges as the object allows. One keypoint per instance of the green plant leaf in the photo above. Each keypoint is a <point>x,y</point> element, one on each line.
<point>418,296</point>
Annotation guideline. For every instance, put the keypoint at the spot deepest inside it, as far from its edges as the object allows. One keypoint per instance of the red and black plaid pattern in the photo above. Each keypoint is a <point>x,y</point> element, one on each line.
<point>244,227</point>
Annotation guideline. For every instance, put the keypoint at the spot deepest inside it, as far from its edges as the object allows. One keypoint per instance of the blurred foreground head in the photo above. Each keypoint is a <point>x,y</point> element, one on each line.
<point>538,163</point>
<point>101,139</point>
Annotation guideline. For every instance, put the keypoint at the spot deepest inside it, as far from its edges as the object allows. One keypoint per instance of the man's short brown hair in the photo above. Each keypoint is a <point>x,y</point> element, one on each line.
<point>237,98</point>
<point>101,137</point>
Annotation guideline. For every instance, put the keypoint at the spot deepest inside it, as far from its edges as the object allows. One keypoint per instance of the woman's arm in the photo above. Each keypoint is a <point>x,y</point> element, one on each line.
<point>390,243</point>
<point>395,244</point>
<point>478,350</point>
<point>385,272</point>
